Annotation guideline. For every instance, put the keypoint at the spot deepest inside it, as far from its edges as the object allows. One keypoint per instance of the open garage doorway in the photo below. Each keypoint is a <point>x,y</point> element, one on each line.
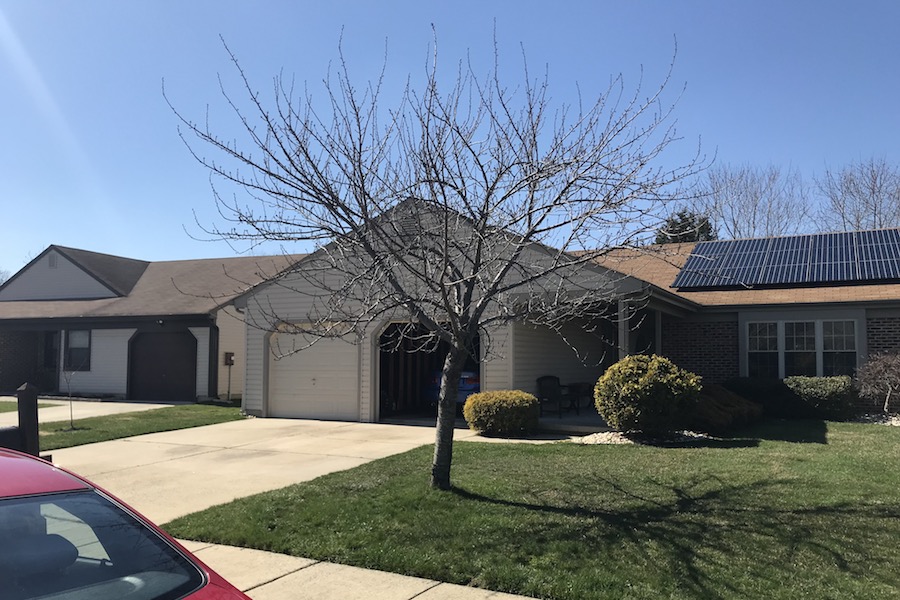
<point>409,372</point>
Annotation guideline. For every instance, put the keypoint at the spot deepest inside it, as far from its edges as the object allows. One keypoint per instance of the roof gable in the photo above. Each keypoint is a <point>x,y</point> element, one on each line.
<point>60,273</point>
<point>115,272</point>
<point>167,288</point>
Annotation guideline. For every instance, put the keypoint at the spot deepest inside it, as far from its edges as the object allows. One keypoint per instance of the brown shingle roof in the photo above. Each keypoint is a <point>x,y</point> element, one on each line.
<point>180,287</point>
<point>659,265</point>
<point>115,272</point>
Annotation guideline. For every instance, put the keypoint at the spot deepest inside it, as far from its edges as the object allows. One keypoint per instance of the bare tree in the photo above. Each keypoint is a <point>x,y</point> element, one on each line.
<point>879,379</point>
<point>863,195</point>
<point>458,208</point>
<point>748,202</point>
<point>4,275</point>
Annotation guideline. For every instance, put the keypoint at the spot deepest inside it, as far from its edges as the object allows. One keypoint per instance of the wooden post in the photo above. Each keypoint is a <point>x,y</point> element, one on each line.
<point>28,418</point>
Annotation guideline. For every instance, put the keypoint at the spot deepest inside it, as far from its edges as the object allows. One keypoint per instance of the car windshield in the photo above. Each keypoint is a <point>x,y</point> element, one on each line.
<point>80,545</point>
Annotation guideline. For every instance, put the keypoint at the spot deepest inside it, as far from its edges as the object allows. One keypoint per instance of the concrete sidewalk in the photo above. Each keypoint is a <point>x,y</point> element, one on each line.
<point>59,409</point>
<point>170,474</point>
<point>270,576</point>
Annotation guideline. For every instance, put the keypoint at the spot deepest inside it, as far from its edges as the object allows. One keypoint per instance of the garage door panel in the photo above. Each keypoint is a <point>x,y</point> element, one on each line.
<point>163,366</point>
<point>319,382</point>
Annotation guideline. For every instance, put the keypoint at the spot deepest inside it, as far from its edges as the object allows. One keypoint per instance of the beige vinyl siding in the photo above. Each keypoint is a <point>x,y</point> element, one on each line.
<point>540,351</point>
<point>497,360</point>
<point>292,299</point>
<point>254,371</point>
<point>65,281</point>
<point>368,376</point>
<point>231,339</point>
<point>202,335</point>
<point>109,365</point>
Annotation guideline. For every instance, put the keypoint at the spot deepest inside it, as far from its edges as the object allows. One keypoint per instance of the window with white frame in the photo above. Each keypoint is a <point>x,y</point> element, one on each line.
<point>778,349</point>
<point>78,350</point>
<point>800,348</point>
<point>839,347</point>
<point>762,350</point>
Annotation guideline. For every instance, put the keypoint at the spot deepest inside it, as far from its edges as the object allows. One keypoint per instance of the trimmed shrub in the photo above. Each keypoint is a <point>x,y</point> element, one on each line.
<point>646,393</point>
<point>720,409</point>
<point>831,397</point>
<point>777,399</point>
<point>502,412</point>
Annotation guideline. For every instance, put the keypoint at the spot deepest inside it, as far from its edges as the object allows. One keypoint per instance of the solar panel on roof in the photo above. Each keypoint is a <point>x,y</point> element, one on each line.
<point>879,254</point>
<point>788,261</point>
<point>743,262</point>
<point>705,265</point>
<point>834,258</point>
<point>862,256</point>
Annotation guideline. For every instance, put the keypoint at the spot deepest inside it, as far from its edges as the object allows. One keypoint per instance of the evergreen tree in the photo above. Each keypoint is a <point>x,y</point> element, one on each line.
<point>686,226</point>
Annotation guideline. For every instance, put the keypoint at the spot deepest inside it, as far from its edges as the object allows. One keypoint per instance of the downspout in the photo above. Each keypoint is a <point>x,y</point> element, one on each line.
<point>623,329</point>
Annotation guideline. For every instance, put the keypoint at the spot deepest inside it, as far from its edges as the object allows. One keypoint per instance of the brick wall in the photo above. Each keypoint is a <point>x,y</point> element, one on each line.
<point>707,348</point>
<point>883,334</point>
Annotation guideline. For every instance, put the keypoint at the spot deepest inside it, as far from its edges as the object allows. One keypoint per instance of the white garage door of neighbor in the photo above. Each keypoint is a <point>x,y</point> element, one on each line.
<point>320,382</point>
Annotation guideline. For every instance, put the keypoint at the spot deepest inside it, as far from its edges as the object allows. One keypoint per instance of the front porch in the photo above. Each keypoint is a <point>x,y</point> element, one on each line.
<point>584,423</point>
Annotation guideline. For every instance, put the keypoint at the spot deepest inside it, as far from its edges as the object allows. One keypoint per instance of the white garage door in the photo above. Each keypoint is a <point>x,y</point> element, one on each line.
<point>320,382</point>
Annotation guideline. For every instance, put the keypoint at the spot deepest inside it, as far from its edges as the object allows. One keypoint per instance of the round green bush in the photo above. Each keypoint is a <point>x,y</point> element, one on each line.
<point>502,412</point>
<point>646,393</point>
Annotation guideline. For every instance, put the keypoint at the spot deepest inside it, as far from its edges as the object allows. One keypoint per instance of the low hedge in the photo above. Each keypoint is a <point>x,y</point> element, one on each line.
<point>502,412</point>
<point>799,397</point>
<point>831,397</point>
<point>777,399</point>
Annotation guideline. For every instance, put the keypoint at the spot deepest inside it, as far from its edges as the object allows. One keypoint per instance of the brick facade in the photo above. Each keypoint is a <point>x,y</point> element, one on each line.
<point>883,334</point>
<point>707,348</point>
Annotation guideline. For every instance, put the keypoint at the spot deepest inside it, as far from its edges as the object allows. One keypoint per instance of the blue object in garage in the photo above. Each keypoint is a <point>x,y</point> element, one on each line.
<point>469,383</point>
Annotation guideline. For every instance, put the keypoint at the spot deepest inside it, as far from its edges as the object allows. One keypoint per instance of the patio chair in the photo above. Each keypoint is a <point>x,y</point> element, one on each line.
<point>553,395</point>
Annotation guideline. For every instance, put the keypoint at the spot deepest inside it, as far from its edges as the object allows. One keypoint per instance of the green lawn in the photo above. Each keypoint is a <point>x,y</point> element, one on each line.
<point>7,406</point>
<point>100,429</point>
<point>787,510</point>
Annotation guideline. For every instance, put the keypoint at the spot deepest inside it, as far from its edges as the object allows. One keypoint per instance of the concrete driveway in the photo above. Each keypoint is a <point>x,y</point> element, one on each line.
<point>170,474</point>
<point>166,475</point>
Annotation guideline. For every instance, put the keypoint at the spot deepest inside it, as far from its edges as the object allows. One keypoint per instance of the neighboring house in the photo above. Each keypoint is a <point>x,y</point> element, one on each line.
<point>365,379</point>
<point>88,323</point>
<point>811,305</point>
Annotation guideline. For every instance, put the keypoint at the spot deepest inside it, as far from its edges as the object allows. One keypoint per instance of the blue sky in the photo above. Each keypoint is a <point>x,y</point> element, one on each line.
<point>91,158</point>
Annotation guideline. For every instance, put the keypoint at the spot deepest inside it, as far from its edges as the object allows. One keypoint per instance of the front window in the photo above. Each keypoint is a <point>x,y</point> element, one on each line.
<point>78,350</point>
<point>839,347</point>
<point>81,545</point>
<point>762,355</point>
<point>778,349</point>
<point>800,349</point>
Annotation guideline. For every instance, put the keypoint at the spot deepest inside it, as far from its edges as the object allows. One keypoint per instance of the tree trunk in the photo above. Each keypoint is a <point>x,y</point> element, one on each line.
<point>446,419</point>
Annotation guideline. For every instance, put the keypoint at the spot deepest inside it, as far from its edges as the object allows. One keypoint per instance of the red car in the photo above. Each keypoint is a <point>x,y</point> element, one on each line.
<point>63,538</point>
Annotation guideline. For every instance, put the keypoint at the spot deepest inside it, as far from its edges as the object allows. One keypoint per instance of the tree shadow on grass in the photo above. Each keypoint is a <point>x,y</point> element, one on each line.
<point>703,529</point>
<point>695,442</point>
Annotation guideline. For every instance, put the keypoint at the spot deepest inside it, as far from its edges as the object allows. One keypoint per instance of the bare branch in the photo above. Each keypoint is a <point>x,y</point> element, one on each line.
<point>463,206</point>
